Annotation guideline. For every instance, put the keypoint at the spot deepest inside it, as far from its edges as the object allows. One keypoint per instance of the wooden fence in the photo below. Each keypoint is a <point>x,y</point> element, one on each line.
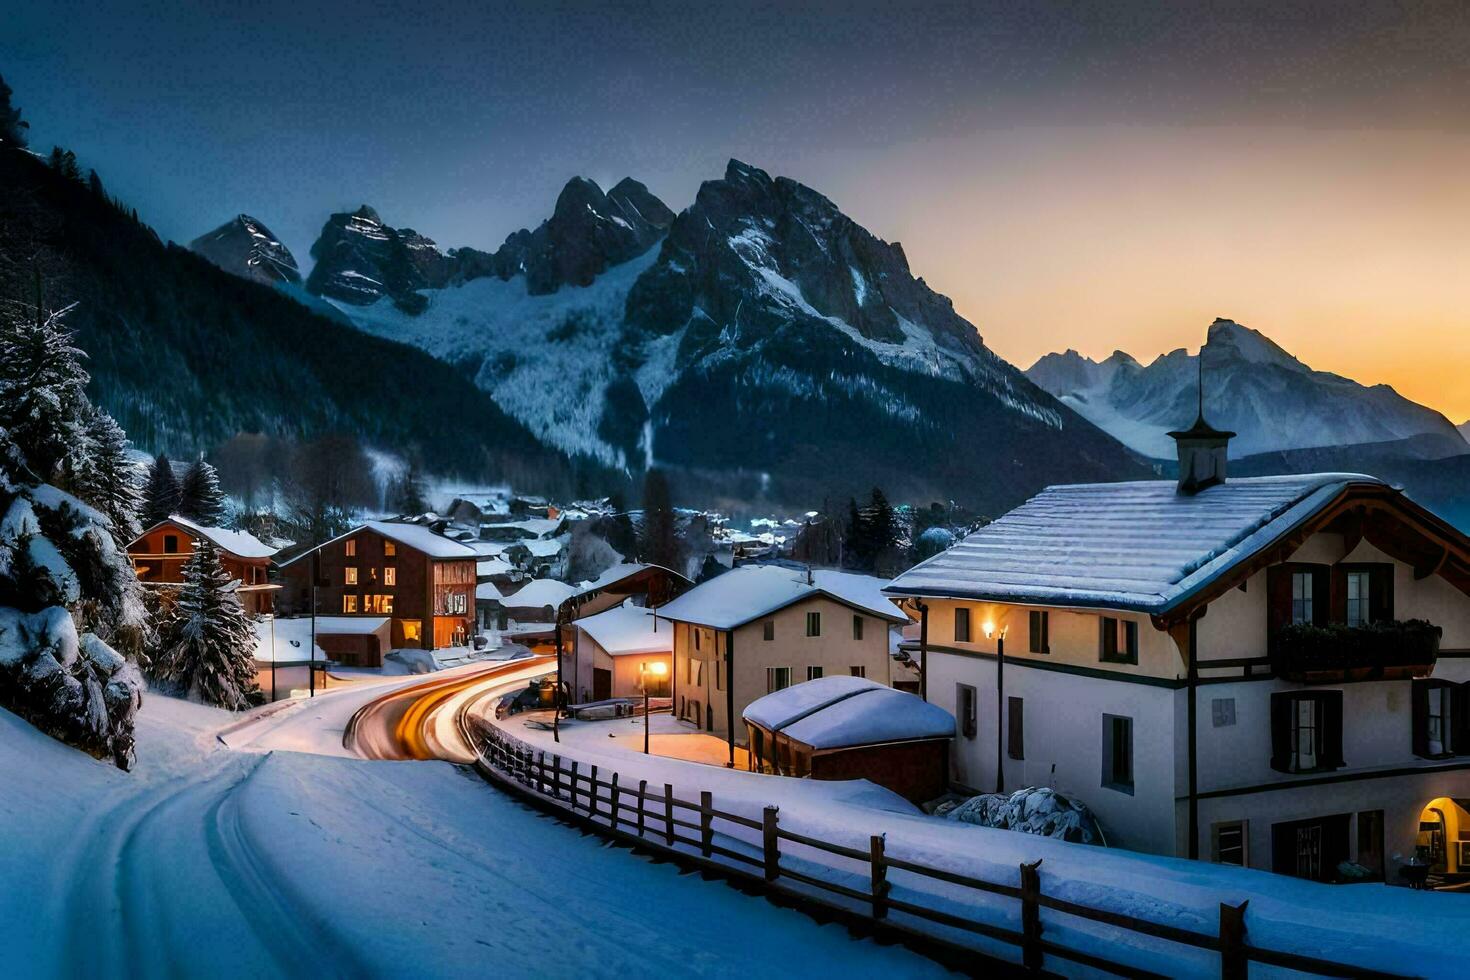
<point>655,818</point>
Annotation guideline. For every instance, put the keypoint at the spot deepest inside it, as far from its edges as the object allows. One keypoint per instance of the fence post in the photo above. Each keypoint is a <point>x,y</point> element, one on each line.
<point>880,876</point>
<point>615,802</point>
<point>1031,953</point>
<point>574,786</point>
<point>642,792</point>
<point>592,797</point>
<point>669,811</point>
<point>706,822</point>
<point>1234,964</point>
<point>772,843</point>
<point>556,776</point>
<point>540,772</point>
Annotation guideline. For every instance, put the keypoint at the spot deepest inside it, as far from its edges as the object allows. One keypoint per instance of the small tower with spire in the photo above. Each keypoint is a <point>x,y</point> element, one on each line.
<point>1203,449</point>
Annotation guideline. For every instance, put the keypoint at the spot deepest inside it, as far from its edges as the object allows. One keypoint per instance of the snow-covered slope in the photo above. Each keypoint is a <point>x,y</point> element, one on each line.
<point>769,346</point>
<point>1269,398</point>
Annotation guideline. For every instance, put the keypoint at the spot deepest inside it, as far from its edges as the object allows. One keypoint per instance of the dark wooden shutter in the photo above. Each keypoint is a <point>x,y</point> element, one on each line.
<point>1281,705</point>
<point>1322,612</point>
<point>1015,726</point>
<point>1380,593</point>
<point>1278,599</point>
<point>1330,718</point>
<point>1419,717</point>
<point>1337,599</point>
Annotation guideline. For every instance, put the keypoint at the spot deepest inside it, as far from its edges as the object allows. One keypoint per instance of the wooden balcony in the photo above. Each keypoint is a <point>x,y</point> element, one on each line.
<point>1336,654</point>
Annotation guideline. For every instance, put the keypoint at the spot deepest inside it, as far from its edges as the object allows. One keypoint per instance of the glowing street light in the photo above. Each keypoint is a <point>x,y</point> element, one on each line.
<point>655,669</point>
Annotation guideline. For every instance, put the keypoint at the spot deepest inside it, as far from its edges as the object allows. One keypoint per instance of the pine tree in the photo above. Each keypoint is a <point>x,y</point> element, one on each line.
<point>408,495</point>
<point>857,549</point>
<point>161,496</point>
<point>200,498</point>
<point>43,400</point>
<point>659,542</point>
<point>94,184</point>
<point>107,478</point>
<point>206,647</point>
<point>12,127</point>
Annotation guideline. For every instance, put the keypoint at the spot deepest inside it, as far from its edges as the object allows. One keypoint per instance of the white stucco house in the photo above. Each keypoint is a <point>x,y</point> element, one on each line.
<point>1269,671</point>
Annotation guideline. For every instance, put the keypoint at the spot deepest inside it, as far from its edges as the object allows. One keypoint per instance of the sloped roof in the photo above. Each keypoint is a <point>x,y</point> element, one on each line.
<point>415,536</point>
<point>1138,546</point>
<point>540,592</point>
<point>620,572</point>
<point>628,629</point>
<point>744,594</point>
<point>840,712</point>
<point>240,543</point>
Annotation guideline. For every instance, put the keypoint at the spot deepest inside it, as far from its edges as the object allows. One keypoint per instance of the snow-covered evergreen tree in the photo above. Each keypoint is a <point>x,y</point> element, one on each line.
<point>200,498</point>
<point>71,614</point>
<point>161,496</point>
<point>107,479</point>
<point>206,646</point>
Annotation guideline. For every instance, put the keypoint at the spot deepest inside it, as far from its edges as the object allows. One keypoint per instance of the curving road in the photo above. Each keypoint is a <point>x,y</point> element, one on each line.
<point>422,721</point>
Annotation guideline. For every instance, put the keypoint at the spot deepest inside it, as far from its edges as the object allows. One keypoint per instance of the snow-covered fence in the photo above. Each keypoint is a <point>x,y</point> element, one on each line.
<point>752,853</point>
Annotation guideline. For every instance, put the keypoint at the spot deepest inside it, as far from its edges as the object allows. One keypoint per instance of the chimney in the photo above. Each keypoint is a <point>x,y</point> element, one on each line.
<point>1203,449</point>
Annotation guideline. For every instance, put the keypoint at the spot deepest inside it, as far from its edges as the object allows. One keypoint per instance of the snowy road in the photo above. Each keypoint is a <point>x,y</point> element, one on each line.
<point>249,859</point>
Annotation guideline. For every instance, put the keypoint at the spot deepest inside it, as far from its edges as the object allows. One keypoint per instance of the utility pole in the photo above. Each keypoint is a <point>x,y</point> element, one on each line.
<point>311,653</point>
<point>1000,714</point>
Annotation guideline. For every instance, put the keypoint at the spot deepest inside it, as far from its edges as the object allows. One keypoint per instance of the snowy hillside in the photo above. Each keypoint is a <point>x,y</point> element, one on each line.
<point>1269,398</point>
<point>769,346</point>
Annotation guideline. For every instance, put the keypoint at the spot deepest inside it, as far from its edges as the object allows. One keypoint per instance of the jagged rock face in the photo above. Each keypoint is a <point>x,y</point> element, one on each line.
<point>245,246</point>
<point>360,260</point>
<point>1253,387</point>
<point>587,233</point>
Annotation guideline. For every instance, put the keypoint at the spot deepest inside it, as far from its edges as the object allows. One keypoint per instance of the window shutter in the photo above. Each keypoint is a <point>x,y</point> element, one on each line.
<point>1380,593</point>
<point>1281,705</point>
<point>1459,723</point>
<point>1337,596</point>
<point>1322,611</point>
<point>1330,715</point>
<point>1278,598</point>
<point>1419,717</point>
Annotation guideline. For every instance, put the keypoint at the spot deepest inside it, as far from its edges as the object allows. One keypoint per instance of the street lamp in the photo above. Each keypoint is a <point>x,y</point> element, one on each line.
<point>656,669</point>
<point>1000,701</point>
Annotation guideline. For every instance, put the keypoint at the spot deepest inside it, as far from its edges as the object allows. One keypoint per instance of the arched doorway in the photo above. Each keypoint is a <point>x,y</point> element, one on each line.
<point>1443,841</point>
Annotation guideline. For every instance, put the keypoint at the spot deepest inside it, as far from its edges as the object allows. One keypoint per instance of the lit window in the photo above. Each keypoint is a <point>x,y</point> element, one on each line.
<point>389,549</point>
<point>413,629</point>
<point>351,573</point>
<point>390,576</point>
<point>1357,598</point>
<point>349,603</point>
<point>350,547</point>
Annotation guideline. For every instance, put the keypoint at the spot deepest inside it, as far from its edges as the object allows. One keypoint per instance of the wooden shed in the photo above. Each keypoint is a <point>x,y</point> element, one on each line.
<point>845,727</point>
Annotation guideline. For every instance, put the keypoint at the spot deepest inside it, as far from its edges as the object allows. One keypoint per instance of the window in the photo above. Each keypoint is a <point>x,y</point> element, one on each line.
<point>170,544</point>
<point>1222,712</point>
<point>1228,843</point>
<point>812,673</point>
<point>390,576</point>
<point>351,575</point>
<point>777,678</point>
<point>413,629</point>
<point>381,604</point>
<point>349,603</point>
<point>1439,718</point>
<point>1302,610</point>
<point>1130,640</point>
<point>1358,611</point>
<point>720,674</point>
<point>1040,631</point>
<point>1015,728</point>
<point>350,548</point>
<point>1107,641</point>
<point>857,627</point>
<point>858,671</point>
<point>965,702</point>
<point>1306,731</point>
<point>813,624</point>
<point>962,625</point>
<point>768,630</point>
<point>389,549</point>
<point>1117,764</point>
<point>697,632</point>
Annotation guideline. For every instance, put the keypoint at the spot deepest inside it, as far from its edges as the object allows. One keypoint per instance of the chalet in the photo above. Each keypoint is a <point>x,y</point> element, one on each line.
<point>846,727</point>
<point>159,554</point>
<point>619,652</point>
<point>423,581</point>
<point>634,585</point>
<point>1267,672</point>
<point>761,628</point>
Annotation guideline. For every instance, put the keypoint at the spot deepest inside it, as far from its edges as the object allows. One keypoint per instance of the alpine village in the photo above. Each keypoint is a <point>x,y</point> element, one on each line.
<point>694,590</point>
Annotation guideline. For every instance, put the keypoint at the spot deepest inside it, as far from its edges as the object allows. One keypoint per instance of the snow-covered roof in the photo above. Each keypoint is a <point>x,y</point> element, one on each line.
<point>240,543</point>
<point>487,549</point>
<point>747,593</point>
<point>628,629</point>
<point>288,640</point>
<point>1134,546</point>
<point>415,536</point>
<point>487,592</point>
<point>841,711</point>
<point>540,592</point>
<point>494,566</point>
<point>617,573</point>
<point>534,527</point>
<point>545,547</point>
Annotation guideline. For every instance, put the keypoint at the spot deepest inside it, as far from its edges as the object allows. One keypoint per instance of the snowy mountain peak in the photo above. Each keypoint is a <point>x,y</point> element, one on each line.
<point>360,260</point>
<point>1252,386</point>
<point>246,247</point>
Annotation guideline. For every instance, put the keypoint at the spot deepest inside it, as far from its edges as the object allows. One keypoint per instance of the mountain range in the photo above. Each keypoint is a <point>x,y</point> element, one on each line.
<point>757,344</point>
<point>1251,386</point>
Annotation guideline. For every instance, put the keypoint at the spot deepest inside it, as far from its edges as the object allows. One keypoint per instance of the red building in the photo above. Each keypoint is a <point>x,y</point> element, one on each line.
<point>423,581</point>
<point>159,554</point>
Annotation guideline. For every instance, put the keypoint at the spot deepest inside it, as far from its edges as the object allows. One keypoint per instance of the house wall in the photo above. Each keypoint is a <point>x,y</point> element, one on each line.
<point>588,653</point>
<point>835,651</point>
<point>155,563</point>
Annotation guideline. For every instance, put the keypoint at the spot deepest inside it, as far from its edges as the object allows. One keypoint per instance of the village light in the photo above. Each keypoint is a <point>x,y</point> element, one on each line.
<point>657,669</point>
